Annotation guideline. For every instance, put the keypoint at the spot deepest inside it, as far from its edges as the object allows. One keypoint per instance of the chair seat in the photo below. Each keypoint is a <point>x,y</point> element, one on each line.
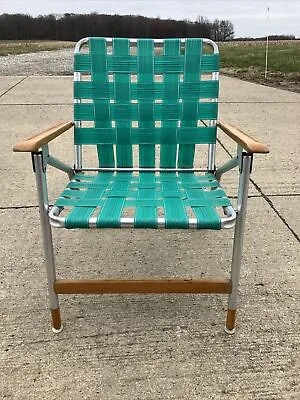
<point>141,200</point>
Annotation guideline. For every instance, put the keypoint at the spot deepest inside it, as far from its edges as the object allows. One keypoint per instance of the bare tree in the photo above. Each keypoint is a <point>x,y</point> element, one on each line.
<point>226,30</point>
<point>222,30</point>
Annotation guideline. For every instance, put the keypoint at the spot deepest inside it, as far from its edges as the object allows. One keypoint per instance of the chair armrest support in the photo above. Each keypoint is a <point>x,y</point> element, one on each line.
<point>249,144</point>
<point>56,163</point>
<point>230,164</point>
<point>34,143</point>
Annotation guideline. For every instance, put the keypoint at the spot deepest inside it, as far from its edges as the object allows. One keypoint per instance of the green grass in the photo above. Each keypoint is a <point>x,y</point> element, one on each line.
<point>283,57</point>
<point>31,46</point>
<point>247,61</point>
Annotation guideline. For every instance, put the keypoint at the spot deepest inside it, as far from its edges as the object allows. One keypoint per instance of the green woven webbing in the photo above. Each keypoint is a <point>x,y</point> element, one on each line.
<point>101,109</point>
<point>130,105</point>
<point>122,96</point>
<point>108,196</point>
<point>162,111</point>
<point>192,68</point>
<point>168,152</point>
<point>175,64</point>
<point>185,135</point>
<point>146,116</point>
<point>147,91</point>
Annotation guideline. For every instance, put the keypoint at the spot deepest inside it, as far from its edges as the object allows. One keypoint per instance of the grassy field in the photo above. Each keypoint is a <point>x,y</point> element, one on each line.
<point>30,46</point>
<point>246,60</point>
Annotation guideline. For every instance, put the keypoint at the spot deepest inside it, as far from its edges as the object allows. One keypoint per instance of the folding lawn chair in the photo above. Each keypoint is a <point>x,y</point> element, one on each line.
<point>160,96</point>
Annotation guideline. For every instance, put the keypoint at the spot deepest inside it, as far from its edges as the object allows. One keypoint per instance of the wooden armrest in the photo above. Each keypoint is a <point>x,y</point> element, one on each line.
<point>35,142</point>
<point>249,144</point>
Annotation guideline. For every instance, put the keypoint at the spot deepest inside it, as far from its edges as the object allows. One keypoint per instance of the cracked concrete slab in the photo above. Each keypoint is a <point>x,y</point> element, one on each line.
<point>150,347</point>
<point>7,82</point>
<point>276,125</point>
<point>40,90</point>
<point>289,209</point>
<point>146,347</point>
<point>16,168</point>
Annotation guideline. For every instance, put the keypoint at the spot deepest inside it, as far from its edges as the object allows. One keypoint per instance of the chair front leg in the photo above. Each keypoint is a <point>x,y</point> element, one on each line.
<point>245,170</point>
<point>41,185</point>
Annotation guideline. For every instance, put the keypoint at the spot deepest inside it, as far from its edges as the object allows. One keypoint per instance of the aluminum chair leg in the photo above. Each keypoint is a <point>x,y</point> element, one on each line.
<point>246,164</point>
<point>47,240</point>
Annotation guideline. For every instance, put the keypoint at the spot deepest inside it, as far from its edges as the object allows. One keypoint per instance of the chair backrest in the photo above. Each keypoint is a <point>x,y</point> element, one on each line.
<point>161,95</point>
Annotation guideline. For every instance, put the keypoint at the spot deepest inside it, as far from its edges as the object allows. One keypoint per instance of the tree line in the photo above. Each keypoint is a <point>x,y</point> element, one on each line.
<point>75,26</point>
<point>271,37</point>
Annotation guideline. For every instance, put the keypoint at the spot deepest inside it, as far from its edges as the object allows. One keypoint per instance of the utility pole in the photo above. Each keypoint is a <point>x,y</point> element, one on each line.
<point>267,42</point>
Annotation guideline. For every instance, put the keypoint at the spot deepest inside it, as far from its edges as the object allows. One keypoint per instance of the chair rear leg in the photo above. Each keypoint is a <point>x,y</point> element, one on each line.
<point>47,240</point>
<point>245,169</point>
<point>51,277</point>
<point>235,276</point>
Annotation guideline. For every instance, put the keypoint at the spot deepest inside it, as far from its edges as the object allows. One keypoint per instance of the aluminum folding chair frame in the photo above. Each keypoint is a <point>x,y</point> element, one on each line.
<point>246,147</point>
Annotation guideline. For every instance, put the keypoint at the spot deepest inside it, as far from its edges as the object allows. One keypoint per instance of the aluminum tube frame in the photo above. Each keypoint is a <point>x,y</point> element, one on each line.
<point>85,40</point>
<point>42,193</point>
<point>77,77</point>
<point>140,169</point>
<point>230,164</point>
<point>48,159</point>
<point>211,157</point>
<point>78,155</point>
<point>241,184</point>
<point>239,228</point>
<point>54,162</point>
<point>211,161</point>
<point>128,222</point>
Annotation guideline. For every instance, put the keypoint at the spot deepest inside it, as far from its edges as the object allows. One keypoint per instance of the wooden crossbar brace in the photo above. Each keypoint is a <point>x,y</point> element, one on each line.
<point>97,286</point>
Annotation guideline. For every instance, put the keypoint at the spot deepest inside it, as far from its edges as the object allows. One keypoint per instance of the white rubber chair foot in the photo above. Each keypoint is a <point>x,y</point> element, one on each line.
<point>229,331</point>
<point>57,331</point>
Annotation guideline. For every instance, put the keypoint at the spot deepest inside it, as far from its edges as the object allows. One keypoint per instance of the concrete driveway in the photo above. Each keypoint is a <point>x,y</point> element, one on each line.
<point>152,347</point>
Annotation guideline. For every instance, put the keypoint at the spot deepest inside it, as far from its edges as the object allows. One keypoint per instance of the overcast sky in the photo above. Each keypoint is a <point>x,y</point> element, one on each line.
<point>248,16</point>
